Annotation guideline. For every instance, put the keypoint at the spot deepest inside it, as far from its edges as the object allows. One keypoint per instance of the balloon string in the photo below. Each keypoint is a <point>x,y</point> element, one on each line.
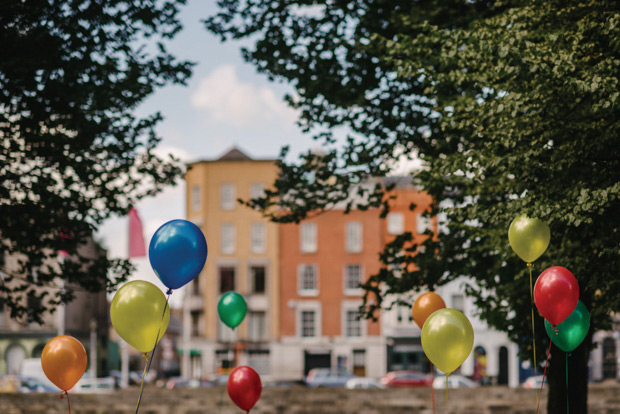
<point>566,355</point>
<point>62,395</point>
<point>544,373</point>
<point>221,402</point>
<point>146,356</point>
<point>529,265</point>
<point>432,388</point>
<point>147,366</point>
<point>447,381</point>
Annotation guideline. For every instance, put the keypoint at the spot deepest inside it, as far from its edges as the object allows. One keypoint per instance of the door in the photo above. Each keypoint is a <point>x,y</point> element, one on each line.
<point>609,358</point>
<point>502,376</point>
<point>316,360</point>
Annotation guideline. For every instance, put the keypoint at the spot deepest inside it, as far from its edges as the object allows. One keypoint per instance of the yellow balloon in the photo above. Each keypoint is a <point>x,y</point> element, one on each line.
<point>528,237</point>
<point>137,313</point>
<point>447,339</point>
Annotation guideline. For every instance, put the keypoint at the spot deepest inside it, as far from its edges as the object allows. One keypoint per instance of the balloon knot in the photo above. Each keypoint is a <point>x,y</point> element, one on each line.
<point>530,264</point>
<point>145,356</point>
<point>169,292</point>
<point>555,329</point>
<point>63,393</point>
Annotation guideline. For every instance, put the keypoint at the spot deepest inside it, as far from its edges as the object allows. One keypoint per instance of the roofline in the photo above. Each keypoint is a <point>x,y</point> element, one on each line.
<point>189,164</point>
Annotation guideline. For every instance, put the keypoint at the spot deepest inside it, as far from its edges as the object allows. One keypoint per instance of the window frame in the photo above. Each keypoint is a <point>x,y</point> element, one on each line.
<point>224,248</point>
<point>196,198</point>
<point>300,280</point>
<point>347,307</point>
<point>263,334</point>
<point>219,277</point>
<point>257,190</point>
<point>308,306</point>
<point>308,237</point>
<point>349,291</point>
<point>227,199</point>
<point>354,242</point>
<point>255,248</point>
<point>423,223</point>
<point>395,219</point>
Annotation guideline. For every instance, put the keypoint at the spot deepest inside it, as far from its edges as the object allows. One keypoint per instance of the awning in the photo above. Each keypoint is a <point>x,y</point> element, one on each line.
<point>191,351</point>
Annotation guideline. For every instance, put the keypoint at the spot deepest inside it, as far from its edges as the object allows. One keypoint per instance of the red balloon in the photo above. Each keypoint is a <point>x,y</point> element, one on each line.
<point>556,294</point>
<point>244,387</point>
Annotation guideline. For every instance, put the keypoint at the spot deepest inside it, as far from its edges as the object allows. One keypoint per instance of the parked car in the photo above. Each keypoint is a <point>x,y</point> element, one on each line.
<point>455,381</point>
<point>31,368</point>
<point>87,385</point>
<point>406,379</point>
<point>182,382</point>
<point>21,383</point>
<point>219,380</point>
<point>364,383</point>
<point>534,382</point>
<point>326,377</point>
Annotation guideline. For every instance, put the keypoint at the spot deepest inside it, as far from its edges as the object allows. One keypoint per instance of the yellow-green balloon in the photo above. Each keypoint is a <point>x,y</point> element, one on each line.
<point>447,339</point>
<point>528,237</point>
<point>137,313</point>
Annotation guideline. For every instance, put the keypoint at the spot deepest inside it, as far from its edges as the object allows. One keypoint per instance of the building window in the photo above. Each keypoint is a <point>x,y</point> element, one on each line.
<point>195,316</point>
<point>423,223</point>
<point>359,362</point>
<point>352,278</point>
<point>196,287</point>
<point>257,326</point>
<point>227,196</point>
<point>395,223</point>
<point>257,274</point>
<point>308,324</point>
<point>353,324</point>
<point>458,303</point>
<point>227,279</point>
<point>227,238</point>
<point>257,190</point>
<point>308,280</point>
<point>307,233</point>
<point>403,315</point>
<point>354,237</point>
<point>195,198</point>
<point>257,235</point>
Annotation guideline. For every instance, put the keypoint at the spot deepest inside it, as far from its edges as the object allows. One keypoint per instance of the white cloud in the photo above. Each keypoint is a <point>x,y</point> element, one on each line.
<point>227,99</point>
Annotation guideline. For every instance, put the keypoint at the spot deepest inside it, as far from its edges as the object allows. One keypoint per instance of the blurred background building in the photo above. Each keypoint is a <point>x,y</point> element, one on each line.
<point>86,318</point>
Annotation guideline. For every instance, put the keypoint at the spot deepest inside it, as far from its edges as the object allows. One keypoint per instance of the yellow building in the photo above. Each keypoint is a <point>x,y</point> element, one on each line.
<point>243,257</point>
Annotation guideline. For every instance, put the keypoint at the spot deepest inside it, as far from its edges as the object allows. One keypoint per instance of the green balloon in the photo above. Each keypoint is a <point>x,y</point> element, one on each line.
<point>572,331</point>
<point>232,309</point>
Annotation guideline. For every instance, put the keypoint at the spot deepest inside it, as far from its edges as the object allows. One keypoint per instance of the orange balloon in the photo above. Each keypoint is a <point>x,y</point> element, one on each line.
<point>425,305</point>
<point>64,361</point>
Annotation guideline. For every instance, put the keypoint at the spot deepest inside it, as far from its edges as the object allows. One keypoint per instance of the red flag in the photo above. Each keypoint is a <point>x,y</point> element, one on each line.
<point>136,236</point>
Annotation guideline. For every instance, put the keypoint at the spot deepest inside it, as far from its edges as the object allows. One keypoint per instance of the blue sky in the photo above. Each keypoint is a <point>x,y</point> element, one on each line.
<point>225,103</point>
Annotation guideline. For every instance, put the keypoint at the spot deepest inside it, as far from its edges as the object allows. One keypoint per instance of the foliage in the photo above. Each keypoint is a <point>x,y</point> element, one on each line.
<point>512,105</point>
<point>73,153</point>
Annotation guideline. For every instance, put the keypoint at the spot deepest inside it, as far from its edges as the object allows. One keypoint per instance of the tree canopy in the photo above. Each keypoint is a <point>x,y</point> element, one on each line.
<point>73,152</point>
<point>514,108</point>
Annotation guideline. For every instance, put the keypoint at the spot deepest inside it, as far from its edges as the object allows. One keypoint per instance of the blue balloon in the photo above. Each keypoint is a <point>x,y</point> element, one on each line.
<point>177,252</point>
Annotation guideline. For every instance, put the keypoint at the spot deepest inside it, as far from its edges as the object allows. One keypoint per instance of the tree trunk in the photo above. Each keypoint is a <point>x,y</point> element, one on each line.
<point>577,392</point>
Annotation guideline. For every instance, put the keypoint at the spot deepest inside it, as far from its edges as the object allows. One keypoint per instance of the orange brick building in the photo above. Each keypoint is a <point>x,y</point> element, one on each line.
<point>322,262</point>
